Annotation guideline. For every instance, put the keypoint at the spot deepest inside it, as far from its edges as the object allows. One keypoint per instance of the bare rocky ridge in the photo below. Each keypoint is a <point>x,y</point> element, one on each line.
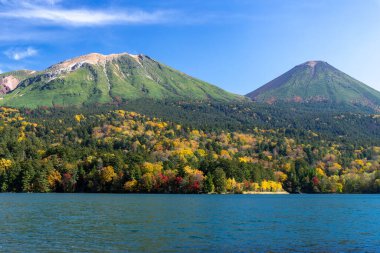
<point>93,58</point>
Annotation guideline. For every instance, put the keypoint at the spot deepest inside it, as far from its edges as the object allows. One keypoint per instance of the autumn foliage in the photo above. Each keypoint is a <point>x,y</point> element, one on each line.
<point>122,151</point>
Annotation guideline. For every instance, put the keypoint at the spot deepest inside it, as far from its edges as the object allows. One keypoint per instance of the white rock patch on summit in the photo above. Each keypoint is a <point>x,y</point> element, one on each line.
<point>312,63</point>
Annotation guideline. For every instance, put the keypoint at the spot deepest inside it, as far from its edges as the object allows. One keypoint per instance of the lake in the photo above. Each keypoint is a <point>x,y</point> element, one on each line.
<point>189,223</point>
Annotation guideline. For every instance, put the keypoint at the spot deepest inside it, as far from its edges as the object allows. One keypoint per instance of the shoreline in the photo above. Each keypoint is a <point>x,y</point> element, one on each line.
<point>253,192</point>
<point>154,193</point>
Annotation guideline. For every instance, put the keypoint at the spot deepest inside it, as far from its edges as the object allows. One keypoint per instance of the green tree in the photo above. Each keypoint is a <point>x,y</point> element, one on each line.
<point>220,182</point>
<point>209,184</point>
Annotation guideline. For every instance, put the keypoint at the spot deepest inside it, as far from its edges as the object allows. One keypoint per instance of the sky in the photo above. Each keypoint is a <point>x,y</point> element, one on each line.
<point>237,45</point>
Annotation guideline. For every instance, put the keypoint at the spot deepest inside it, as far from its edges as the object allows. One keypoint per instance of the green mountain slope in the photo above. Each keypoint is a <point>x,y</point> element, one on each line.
<point>317,81</point>
<point>97,78</point>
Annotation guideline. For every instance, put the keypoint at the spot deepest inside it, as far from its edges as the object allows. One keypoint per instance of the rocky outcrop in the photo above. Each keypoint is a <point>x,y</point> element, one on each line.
<point>8,83</point>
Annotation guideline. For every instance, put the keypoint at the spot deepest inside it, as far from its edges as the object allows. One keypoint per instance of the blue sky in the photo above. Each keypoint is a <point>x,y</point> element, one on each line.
<point>238,45</point>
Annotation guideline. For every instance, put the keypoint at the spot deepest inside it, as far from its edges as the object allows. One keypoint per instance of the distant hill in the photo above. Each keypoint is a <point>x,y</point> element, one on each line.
<point>97,78</point>
<point>317,81</point>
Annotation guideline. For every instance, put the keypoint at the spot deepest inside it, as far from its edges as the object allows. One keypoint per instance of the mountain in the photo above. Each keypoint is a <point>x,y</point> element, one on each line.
<point>10,80</point>
<point>317,81</point>
<point>97,78</point>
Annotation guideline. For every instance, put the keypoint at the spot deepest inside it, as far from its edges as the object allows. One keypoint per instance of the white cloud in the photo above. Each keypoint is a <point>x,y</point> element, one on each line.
<point>39,11</point>
<point>51,2</point>
<point>19,54</point>
<point>29,2</point>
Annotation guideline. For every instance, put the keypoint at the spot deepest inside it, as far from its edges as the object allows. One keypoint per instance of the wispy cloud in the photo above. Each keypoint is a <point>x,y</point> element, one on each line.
<point>28,2</point>
<point>48,11</point>
<point>19,54</point>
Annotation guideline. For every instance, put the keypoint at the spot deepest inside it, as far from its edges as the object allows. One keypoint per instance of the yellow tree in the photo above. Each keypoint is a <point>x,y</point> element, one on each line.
<point>231,185</point>
<point>107,174</point>
<point>54,178</point>
<point>265,186</point>
<point>152,167</point>
<point>131,185</point>
<point>5,164</point>
<point>79,117</point>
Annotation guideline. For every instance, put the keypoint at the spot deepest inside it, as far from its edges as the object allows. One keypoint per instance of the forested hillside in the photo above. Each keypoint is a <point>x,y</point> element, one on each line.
<point>114,150</point>
<point>351,125</point>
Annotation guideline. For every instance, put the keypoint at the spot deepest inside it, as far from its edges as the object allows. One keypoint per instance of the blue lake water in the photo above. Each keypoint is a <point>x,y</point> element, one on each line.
<point>189,223</point>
